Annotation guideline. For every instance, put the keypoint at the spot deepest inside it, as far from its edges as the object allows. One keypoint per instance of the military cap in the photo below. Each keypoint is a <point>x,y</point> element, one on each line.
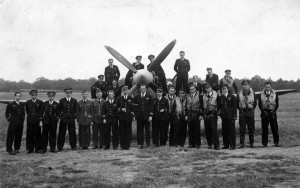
<point>169,83</point>
<point>159,89</point>
<point>101,76</point>
<point>124,87</point>
<point>51,93</point>
<point>227,70</point>
<point>208,68</point>
<point>138,57</point>
<point>268,83</point>
<point>171,87</point>
<point>225,85</point>
<point>151,56</point>
<point>68,89</point>
<point>246,82</point>
<point>34,91</point>
<point>207,85</point>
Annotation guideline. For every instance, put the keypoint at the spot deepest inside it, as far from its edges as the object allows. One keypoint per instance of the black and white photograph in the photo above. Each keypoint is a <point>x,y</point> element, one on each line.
<point>153,93</point>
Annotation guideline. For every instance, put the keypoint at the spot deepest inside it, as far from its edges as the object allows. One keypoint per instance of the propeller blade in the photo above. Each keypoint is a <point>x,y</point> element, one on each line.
<point>132,90</point>
<point>162,56</point>
<point>151,92</point>
<point>174,78</point>
<point>153,86</point>
<point>120,58</point>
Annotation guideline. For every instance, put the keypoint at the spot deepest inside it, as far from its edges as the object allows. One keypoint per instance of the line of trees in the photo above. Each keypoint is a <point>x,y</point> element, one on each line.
<point>257,83</point>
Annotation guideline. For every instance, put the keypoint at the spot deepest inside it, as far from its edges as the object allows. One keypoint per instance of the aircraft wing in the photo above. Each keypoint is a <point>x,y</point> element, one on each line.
<point>278,92</point>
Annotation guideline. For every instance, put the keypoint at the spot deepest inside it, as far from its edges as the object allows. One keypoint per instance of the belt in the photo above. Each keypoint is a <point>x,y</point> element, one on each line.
<point>247,109</point>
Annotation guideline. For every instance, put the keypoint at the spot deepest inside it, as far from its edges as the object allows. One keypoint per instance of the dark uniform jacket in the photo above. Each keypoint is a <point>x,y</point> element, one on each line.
<point>116,89</point>
<point>160,73</point>
<point>159,105</point>
<point>15,113</point>
<point>227,106</point>
<point>231,83</point>
<point>102,86</point>
<point>33,110</point>
<point>213,81</point>
<point>128,104</point>
<point>110,111</point>
<point>130,74</point>
<point>98,110</point>
<point>67,110</point>
<point>111,73</point>
<point>182,68</point>
<point>144,106</point>
<point>199,86</point>
<point>50,112</point>
<point>84,112</point>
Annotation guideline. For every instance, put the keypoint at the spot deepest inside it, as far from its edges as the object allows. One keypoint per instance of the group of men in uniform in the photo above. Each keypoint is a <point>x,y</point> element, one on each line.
<point>173,112</point>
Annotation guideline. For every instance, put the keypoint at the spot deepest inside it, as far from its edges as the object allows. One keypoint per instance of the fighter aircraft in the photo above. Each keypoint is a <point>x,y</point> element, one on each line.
<point>144,76</point>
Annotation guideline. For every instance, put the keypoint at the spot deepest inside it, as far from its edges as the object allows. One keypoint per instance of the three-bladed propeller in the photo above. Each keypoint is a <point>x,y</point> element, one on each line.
<point>143,76</point>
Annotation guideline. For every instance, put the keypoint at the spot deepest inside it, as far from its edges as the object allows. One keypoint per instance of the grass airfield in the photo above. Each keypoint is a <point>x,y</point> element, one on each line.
<point>163,166</point>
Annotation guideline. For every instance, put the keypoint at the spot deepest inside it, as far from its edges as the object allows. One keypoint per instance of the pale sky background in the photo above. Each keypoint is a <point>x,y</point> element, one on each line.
<point>57,39</point>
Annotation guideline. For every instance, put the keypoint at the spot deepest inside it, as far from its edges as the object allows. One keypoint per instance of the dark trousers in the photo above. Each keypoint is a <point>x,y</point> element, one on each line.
<point>194,132</point>
<point>171,123</point>
<point>274,128</point>
<point>62,135</point>
<point>125,133</point>
<point>49,135</point>
<point>158,132</point>
<point>228,132</point>
<point>211,131</point>
<point>141,126</point>
<point>181,82</point>
<point>98,135</point>
<point>111,125</point>
<point>14,136</point>
<point>85,135</point>
<point>33,136</point>
<point>247,120</point>
<point>180,129</point>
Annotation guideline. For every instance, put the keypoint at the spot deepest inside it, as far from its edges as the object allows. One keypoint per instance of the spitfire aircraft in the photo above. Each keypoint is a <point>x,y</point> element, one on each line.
<point>144,76</point>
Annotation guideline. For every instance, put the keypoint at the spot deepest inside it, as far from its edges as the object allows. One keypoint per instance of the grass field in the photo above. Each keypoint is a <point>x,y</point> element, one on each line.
<point>164,166</point>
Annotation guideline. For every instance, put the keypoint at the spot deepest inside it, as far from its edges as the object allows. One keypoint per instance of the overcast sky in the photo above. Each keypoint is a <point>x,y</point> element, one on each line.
<point>65,38</point>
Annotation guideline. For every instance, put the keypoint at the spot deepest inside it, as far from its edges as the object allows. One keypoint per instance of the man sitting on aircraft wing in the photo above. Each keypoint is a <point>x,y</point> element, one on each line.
<point>160,74</point>
<point>138,65</point>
